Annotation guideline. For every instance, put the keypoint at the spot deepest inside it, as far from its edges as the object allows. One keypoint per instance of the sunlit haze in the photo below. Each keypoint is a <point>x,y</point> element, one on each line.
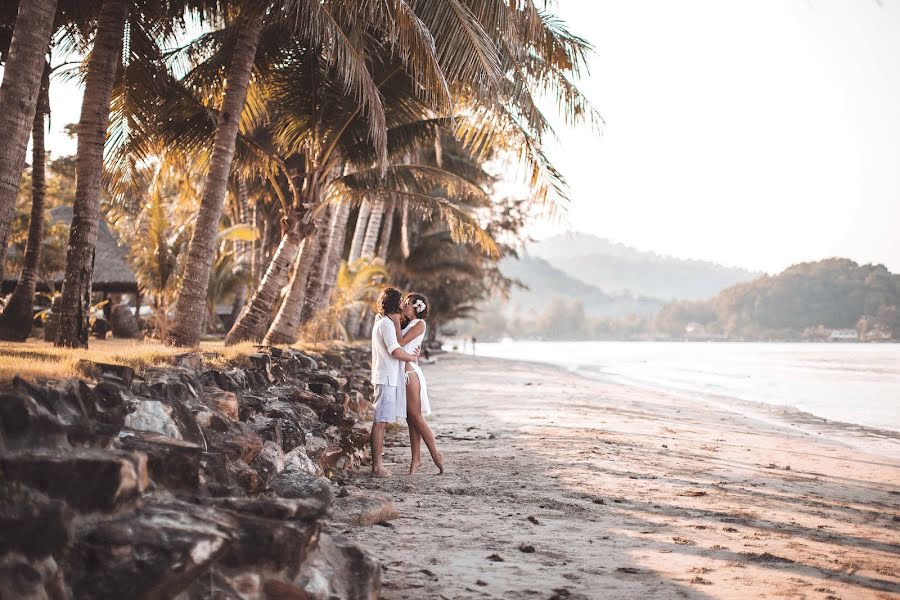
<point>755,134</point>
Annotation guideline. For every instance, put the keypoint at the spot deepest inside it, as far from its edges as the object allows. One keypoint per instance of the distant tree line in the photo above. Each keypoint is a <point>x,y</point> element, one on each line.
<point>805,302</point>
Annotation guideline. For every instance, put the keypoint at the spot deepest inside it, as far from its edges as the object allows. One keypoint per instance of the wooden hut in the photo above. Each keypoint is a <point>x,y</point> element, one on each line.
<point>112,273</point>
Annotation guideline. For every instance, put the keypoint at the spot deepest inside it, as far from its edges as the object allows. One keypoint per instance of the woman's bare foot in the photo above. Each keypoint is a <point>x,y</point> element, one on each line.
<point>414,466</point>
<point>381,472</point>
<point>439,461</point>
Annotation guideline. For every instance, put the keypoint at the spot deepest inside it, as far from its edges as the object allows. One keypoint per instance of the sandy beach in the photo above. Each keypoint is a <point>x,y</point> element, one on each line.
<point>559,486</point>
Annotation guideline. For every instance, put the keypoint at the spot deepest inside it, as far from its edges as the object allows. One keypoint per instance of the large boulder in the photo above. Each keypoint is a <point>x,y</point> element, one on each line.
<point>26,424</point>
<point>155,552</point>
<point>86,479</point>
<point>336,569</point>
<point>171,463</point>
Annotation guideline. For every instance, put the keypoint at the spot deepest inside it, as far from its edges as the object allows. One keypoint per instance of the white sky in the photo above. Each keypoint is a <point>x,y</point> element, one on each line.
<point>755,133</point>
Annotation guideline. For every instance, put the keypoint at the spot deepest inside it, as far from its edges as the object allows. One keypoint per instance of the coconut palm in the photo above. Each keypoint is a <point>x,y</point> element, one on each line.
<point>339,28</point>
<point>19,94</point>
<point>16,320</point>
<point>74,322</point>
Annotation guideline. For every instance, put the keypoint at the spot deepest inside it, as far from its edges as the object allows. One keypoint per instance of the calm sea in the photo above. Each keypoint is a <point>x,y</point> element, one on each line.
<point>851,383</point>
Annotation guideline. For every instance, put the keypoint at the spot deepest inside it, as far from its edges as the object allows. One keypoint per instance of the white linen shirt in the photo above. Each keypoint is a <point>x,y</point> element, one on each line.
<point>385,368</point>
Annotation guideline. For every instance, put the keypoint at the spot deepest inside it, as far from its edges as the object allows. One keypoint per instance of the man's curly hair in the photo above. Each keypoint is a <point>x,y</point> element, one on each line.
<point>388,302</point>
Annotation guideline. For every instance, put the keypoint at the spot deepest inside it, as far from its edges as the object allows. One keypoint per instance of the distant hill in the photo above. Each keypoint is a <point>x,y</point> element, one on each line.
<point>613,267</point>
<point>546,283</point>
<point>805,301</point>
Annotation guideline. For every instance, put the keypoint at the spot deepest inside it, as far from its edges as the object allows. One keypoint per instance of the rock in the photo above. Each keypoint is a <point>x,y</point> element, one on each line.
<point>189,360</point>
<point>154,552</point>
<point>153,415</point>
<point>26,424</point>
<point>33,525</point>
<point>242,443</point>
<point>123,373</point>
<point>305,509</point>
<point>262,362</point>
<point>25,579</point>
<point>269,462</point>
<point>298,459</point>
<point>337,569</point>
<point>526,548</point>
<point>364,510</point>
<point>222,401</point>
<point>124,323</point>
<point>171,463</point>
<point>269,544</point>
<point>86,479</point>
<point>292,483</point>
<point>245,477</point>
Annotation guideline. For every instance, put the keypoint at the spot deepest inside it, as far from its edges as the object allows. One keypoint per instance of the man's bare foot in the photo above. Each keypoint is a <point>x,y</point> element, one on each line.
<point>439,461</point>
<point>381,472</point>
<point>414,466</point>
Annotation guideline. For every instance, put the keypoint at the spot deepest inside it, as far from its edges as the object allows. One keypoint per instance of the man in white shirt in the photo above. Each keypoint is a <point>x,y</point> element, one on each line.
<point>387,373</point>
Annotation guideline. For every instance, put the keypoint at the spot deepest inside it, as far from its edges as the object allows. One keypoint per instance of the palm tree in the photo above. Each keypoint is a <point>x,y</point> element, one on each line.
<point>338,28</point>
<point>18,98</point>
<point>17,317</point>
<point>189,308</point>
<point>74,322</point>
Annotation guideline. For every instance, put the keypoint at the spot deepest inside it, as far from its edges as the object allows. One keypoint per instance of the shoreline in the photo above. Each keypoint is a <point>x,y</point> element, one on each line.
<point>633,493</point>
<point>795,399</point>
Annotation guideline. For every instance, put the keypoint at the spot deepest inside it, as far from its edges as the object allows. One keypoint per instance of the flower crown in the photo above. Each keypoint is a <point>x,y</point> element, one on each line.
<point>419,305</point>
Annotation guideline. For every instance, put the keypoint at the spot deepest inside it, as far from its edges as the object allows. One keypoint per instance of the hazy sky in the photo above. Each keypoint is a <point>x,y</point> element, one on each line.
<point>756,133</point>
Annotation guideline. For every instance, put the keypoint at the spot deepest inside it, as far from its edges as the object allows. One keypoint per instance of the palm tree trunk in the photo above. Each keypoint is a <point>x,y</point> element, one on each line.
<point>257,314</point>
<point>404,230</point>
<point>18,98</point>
<point>313,298</point>
<point>337,235</point>
<point>359,233</point>
<point>286,325</point>
<point>188,319</point>
<point>75,302</point>
<point>372,229</point>
<point>385,243</point>
<point>17,317</point>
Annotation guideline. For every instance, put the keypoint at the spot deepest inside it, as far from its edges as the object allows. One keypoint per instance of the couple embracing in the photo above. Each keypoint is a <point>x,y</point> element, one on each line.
<point>400,391</point>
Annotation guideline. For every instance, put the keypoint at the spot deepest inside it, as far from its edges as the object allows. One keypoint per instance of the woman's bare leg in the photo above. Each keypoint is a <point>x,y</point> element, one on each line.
<point>415,419</point>
<point>415,444</point>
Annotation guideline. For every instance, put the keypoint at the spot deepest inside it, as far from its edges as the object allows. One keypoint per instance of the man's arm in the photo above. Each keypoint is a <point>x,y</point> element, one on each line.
<point>389,334</point>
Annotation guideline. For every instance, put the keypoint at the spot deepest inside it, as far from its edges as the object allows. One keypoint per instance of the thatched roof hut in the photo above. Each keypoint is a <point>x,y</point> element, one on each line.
<point>112,273</point>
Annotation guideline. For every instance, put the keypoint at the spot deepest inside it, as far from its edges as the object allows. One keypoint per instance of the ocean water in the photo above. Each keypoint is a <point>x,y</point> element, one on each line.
<point>850,383</point>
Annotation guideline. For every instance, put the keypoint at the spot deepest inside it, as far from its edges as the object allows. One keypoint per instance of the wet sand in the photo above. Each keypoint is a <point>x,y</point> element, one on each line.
<point>559,486</point>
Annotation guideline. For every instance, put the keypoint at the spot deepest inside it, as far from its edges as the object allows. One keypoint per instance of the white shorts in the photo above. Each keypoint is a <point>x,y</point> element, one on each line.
<point>385,403</point>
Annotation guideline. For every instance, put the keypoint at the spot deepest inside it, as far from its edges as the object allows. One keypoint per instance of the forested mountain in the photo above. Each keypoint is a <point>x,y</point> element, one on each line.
<point>546,283</point>
<point>803,301</point>
<point>614,267</point>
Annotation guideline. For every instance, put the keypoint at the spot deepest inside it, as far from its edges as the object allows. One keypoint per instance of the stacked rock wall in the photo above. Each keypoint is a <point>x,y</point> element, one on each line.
<point>184,482</point>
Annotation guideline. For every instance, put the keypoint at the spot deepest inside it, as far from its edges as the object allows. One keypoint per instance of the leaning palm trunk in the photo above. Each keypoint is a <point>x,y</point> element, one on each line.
<point>359,233</point>
<point>75,302</point>
<point>189,308</point>
<point>338,235</point>
<point>257,314</point>
<point>286,324</point>
<point>386,231</point>
<point>17,317</point>
<point>317,273</point>
<point>18,98</point>
<point>404,230</point>
<point>372,229</point>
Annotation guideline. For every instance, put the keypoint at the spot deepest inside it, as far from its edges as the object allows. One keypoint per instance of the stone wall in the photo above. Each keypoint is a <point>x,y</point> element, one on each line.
<point>188,482</point>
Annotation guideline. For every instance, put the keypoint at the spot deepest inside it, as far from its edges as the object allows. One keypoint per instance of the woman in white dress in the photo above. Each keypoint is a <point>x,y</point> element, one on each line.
<point>411,335</point>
